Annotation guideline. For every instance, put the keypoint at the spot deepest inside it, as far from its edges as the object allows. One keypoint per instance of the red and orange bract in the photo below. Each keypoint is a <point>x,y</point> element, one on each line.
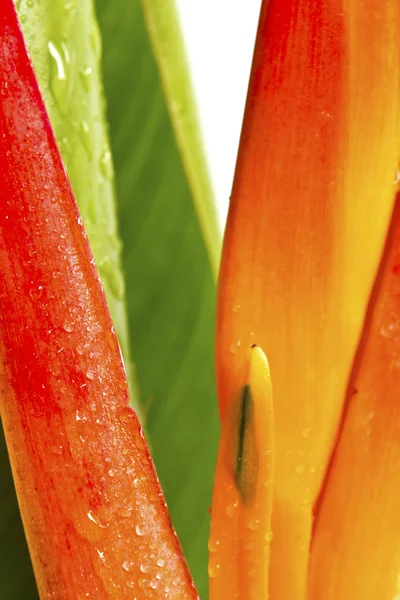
<point>311,201</point>
<point>355,549</point>
<point>93,511</point>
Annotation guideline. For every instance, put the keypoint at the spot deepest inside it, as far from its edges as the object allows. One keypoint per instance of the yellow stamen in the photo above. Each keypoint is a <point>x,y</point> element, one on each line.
<point>242,501</point>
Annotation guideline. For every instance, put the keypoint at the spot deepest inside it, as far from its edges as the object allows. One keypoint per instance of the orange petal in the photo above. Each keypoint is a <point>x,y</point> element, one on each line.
<point>242,500</point>
<point>356,550</point>
<point>311,200</point>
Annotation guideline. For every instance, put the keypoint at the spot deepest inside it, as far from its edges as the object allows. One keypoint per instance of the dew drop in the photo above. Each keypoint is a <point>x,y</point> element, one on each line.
<point>85,76</point>
<point>125,415</point>
<point>59,73</point>
<point>153,584</point>
<point>86,138</point>
<point>96,521</point>
<point>90,374</point>
<point>68,326</point>
<point>253,524</point>
<point>230,509</point>
<point>139,531</point>
<point>250,545</point>
<point>214,571</point>
<point>112,277</point>
<point>69,6</point>
<point>144,568</point>
<point>126,512</point>
<point>80,417</point>
<point>160,562</point>
<point>106,164</point>
<point>127,565</point>
<point>94,39</point>
<point>213,545</point>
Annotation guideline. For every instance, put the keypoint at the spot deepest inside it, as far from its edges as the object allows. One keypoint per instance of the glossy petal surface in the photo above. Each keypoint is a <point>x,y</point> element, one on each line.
<point>355,551</point>
<point>311,201</point>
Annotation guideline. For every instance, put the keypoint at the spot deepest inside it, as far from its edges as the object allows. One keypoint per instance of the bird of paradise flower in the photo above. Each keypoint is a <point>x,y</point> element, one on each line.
<point>306,498</point>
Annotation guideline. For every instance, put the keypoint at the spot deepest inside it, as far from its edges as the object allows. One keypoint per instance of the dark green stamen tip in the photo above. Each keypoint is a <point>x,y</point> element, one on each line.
<point>247,454</point>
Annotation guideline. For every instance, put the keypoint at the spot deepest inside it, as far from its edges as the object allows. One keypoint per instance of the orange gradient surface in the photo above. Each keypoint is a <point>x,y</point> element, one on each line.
<point>310,206</point>
<point>355,550</point>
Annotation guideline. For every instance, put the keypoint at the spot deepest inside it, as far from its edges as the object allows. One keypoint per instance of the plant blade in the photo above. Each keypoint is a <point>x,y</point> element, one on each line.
<point>167,43</point>
<point>170,285</point>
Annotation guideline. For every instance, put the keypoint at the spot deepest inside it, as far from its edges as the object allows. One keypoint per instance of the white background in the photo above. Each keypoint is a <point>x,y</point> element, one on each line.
<point>219,37</point>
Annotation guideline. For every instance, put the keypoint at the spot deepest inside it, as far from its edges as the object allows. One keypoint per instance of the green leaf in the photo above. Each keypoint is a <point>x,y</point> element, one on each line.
<point>167,42</point>
<point>16,574</point>
<point>170,284</point>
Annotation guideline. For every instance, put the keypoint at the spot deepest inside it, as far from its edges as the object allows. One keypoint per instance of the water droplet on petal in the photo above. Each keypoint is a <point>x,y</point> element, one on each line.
<point>101,555</point>
<point>68,326</point>
<point>213,545</point>
<point>153,584</point>
<point>253,524</point>
<point>214,571</point>
<point>127,565</point>
<point>230,509</point>
<point>96,520</point>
